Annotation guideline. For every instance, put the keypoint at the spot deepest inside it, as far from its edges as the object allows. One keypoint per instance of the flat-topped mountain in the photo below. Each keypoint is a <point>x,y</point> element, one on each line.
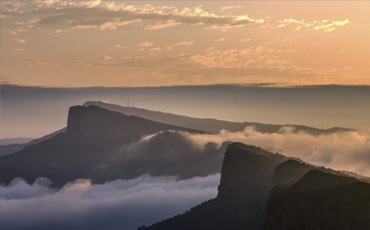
<point>262,190</point>
<point>90,148</point>
<point>207,125</point>
<point>94,122</point>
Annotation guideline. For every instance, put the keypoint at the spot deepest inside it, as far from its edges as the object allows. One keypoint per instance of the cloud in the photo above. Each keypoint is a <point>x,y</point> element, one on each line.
<point>145,44</point>
<point>162,24</point>
<point>348,151</point>
<point>59,31</point>
<point>183,43</point>
<point>44,64</point>
<point>22,41</point>
<point>126,204</point>
<point>119,46</point>
<point>156,49</point>
<point>16,40</point>
<point>254,56</point>
<point>251,64</point>
<point>120,204</point>
<point>19,189</point>
<point>111,15</point>
<point>225,8</point>
<point>174,153</point>
<point>170,153</point>
<point>318,26</point>
<point>107,58</point>
<point>220,40</point>
<point>246,40</point>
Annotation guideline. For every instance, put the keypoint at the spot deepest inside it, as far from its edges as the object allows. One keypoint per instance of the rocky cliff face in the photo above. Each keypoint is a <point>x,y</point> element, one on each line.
<point>262,190</point>
<point>88,149</point>
<point>289,172</point>
<point>246,182</point>
<point>243,193</point>
<point>93,122</point>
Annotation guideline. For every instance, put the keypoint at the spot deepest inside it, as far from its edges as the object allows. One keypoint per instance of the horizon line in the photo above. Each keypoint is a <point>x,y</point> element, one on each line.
<point>257,85</point>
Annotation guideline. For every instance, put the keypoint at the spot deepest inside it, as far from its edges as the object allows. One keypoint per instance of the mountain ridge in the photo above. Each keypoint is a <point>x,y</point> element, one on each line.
<point>254,193</point>
<point>209,124</point>
<point>93,138</point>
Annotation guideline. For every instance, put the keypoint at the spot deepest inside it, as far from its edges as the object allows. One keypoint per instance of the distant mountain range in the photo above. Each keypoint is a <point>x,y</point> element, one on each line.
<point>258,190</point>
<point>7,149</point>
<point>10,141</point>
<point>207,125</point>
<point>262,190</point>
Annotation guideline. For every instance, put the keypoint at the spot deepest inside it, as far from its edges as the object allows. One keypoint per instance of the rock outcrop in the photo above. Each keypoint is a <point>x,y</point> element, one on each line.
<point>246,182</point>
<point>243,193</point>
<point>265,191</point>
<point>88,149</point>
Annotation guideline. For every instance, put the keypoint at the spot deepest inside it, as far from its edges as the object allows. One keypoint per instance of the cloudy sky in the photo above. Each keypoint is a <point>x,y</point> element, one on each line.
<point>139,43</point>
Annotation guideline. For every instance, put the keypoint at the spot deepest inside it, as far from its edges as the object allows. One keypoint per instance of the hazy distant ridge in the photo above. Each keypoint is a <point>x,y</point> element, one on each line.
<point>207,124</point>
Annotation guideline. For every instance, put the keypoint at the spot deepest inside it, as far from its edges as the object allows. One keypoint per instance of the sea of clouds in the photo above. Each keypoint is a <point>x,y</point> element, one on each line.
<point>119,204</point>
<point>348,151</point>
<point>127,204</point>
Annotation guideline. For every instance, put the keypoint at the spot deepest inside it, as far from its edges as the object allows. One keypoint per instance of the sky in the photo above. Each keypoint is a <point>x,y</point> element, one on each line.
<point>158,43</point>
<point>277,62</point>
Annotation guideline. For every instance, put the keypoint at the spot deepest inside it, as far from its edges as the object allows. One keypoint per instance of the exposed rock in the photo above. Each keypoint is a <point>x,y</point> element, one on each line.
<point>88,149</point>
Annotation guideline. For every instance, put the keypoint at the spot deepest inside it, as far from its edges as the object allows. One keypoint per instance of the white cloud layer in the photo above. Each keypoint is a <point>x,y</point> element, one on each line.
<point>126,204</point>
<point>348,151</point>
<point>113,14</point>
<point>120,204</point>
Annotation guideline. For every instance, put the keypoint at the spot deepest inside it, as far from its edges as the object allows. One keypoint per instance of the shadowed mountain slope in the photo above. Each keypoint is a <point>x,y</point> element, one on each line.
<point>12,148</point>
<point>90,148</point>
<point>320,200</point>
<point>262,190</point>
<point>243,192</point>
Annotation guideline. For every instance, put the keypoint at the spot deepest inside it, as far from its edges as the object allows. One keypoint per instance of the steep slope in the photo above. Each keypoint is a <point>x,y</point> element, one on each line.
<point>322,201</point>
<point>246,182</point>
<point>289,172</point>
<point>243,192</point>
<point>292,170</point>
<point>88,149</point>
<point>12,148</point>
<point>262,190</point>
<point>207,125</point>
<point>208,215</point>
<point>11,141</point>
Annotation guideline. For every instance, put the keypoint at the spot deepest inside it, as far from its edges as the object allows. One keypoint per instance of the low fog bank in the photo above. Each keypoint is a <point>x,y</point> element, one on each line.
<point>126,204</point>
<point>169,153</point>
<point>348,151</point>
<point>120,204</point>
